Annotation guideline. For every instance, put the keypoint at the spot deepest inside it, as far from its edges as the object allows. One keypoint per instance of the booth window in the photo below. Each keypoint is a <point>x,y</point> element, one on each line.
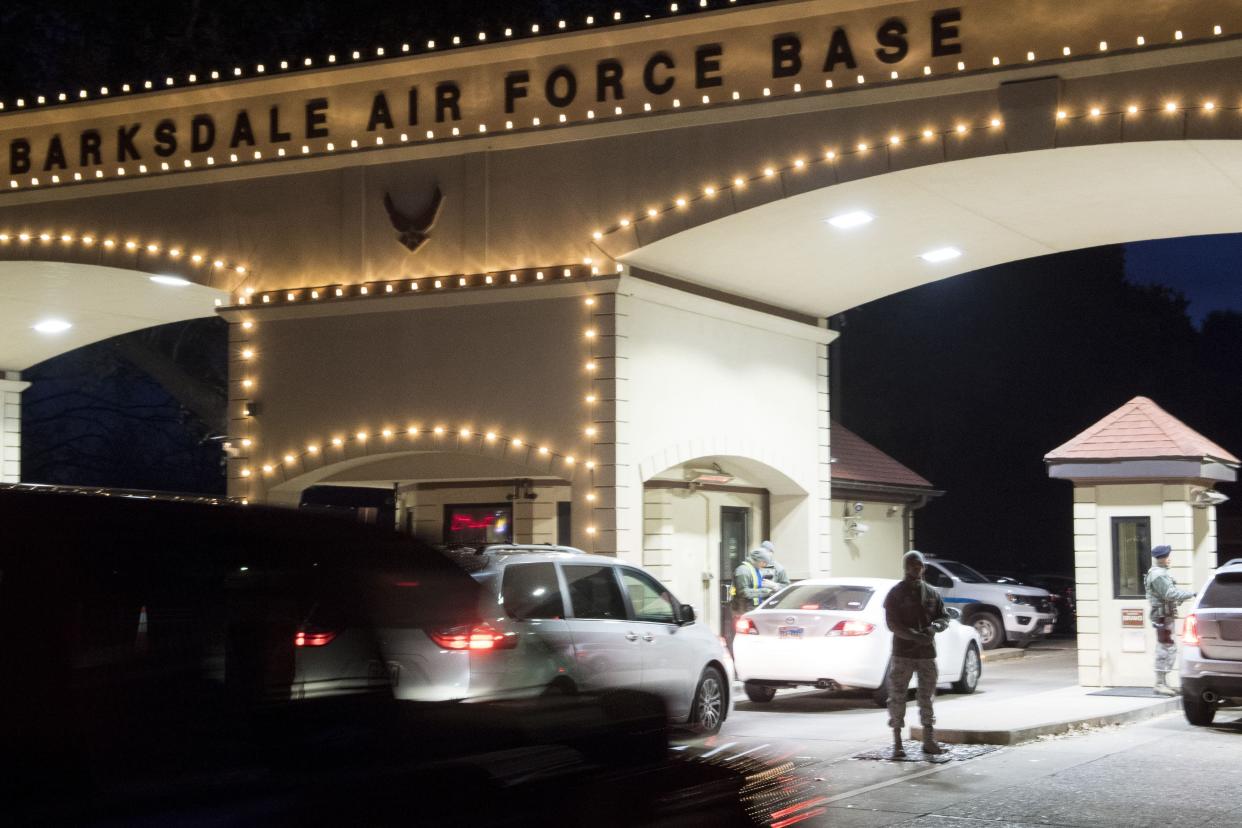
<point>1131,555</point>
<point>477,524</point>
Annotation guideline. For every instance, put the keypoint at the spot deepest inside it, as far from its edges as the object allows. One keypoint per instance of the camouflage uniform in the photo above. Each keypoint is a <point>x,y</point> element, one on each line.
<point>1164,596</point>
<point>915,613</point>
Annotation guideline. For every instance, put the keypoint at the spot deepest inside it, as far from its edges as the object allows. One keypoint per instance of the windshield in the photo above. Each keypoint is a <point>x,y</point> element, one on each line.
<point>1224,592</point>
<point>836,597</point>
<point>964,572</point>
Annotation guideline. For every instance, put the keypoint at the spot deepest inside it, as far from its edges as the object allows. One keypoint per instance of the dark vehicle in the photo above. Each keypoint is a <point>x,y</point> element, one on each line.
<point>147,650</point>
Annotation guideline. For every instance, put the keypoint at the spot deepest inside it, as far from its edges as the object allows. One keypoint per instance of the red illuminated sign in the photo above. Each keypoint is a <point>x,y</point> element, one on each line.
<point>460,521</point>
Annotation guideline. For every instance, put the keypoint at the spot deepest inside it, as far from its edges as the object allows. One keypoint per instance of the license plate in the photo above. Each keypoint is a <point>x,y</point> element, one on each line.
<point>789,632</point>
<point>1047,628</point>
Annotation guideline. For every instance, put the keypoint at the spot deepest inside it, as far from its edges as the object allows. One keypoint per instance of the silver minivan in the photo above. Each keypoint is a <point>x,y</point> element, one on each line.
<point>567,621</point>
<point>1211,670</point>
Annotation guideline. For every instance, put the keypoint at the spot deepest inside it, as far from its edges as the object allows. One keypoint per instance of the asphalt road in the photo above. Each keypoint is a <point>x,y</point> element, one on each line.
<point>1158,773</point>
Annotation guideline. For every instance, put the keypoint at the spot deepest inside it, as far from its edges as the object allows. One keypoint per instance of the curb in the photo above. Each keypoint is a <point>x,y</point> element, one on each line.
<point>1003,654</point>
<point>1026,734</point>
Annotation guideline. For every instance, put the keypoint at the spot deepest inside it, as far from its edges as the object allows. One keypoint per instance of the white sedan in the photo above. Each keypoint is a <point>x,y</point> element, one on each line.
<point>831,633</point>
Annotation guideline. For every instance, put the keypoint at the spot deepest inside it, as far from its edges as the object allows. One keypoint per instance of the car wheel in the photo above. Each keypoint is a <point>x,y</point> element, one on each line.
<point>707,713</point>
<point>991,631</point>
<point>972,668</point>
<point>760,693</point>
<point>1198,712</point>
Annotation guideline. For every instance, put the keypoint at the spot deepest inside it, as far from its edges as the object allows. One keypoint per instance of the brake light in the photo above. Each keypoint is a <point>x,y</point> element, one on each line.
<point>478,637</point>
<point>745,626</point>
<point>851,628</point>
<point>1190,635</point>
<point>313,638</point>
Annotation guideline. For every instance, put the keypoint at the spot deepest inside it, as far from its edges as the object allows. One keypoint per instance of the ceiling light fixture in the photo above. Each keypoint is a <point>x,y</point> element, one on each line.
<point>848,221</point>
<point>52,326</point>
<point>940,254</point>
<point>172,281</point>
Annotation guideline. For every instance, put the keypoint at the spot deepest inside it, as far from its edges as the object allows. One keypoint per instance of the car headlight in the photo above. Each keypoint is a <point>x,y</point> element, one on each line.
<point>1015,598</point>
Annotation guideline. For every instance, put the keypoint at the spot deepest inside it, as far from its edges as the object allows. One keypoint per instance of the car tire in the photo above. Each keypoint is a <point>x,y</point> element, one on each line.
<point>1198,712</point>
<point>990,628</point>
<point>760,693</point>
<point>708,711</point>
<point>972,668</point>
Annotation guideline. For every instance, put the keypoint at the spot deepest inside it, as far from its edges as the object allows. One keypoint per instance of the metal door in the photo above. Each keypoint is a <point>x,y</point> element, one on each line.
<point>734,540</point>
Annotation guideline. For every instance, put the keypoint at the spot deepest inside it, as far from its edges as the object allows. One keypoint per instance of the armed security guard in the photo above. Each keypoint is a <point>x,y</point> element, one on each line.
<point>1163,596</point>
<point>915,613</point>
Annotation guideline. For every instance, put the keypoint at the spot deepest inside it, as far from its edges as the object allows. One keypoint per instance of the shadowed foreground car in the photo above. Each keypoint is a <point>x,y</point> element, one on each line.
<point>146,650</point>
<point>831,633</point>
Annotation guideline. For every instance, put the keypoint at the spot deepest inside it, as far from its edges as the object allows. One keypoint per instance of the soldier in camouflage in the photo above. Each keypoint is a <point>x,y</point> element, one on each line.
<point>914,613</point>
<point>1163,596</point>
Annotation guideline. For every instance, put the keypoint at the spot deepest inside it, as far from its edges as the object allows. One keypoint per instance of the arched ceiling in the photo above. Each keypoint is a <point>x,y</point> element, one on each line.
<point>992,209</point>
<point>98,302</point>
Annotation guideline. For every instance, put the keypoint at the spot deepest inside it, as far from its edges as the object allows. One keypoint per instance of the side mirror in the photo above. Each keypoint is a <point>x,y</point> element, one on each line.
<point>954,613</point>
<point>687,614</point>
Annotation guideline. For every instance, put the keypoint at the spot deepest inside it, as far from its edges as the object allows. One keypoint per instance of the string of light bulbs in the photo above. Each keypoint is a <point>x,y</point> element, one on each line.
<point>377,53</point>
<point>795,89</point>
<point>801,163</point>
<point>520,277</point>
<point>114,243</point>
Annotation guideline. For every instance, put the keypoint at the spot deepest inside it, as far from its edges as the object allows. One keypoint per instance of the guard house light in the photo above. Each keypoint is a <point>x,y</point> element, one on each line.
<point>940,254</point>
<point>850,220</point>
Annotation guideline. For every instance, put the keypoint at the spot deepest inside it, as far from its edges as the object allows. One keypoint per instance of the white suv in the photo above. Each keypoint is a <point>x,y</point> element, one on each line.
<point>1000,612</point>
<point>1211,668</point>
<point>567,621</point>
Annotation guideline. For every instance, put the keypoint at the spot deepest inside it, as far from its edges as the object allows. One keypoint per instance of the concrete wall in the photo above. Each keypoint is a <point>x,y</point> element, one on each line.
<point>1109,655</point>
<point>534,521</point>
<point>706,379</point>
<point>876,553</point>
<point>515,368</point>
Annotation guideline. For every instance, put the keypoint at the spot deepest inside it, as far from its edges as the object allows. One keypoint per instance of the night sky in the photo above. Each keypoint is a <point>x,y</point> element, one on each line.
<point>969,381</point>
<point>1206,269</point>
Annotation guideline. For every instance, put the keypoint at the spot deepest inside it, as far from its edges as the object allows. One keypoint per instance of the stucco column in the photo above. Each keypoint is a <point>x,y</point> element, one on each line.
<point>11,388</point>
<point>610,510</point>
<point>821,557</point>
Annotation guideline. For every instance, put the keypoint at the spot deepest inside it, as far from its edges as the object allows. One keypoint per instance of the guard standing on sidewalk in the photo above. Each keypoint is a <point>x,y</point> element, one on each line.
<point>1164,596</point>
<point>915,613</point>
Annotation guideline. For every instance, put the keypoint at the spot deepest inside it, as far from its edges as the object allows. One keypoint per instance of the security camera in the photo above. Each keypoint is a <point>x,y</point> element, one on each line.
<point>1203,498</point>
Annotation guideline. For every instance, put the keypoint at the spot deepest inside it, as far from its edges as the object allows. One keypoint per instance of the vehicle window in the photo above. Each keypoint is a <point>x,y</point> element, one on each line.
<point>964,572</point>
<point>838,598</point>
<point>1225,592</point>
<point>936,578</point>
<point>651,602</point>
<point>593,592</point>
<point>532,591</point>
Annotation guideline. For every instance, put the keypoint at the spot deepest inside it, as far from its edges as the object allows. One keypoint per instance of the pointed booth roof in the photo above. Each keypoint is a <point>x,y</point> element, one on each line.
<point>1141,439</point>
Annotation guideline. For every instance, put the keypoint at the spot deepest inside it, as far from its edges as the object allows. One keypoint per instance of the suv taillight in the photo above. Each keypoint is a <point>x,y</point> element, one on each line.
<point>852,627</point>
<point>313,638</point>
<point>745,626</point>
<point>477,637</point>
<point>1190,635</point>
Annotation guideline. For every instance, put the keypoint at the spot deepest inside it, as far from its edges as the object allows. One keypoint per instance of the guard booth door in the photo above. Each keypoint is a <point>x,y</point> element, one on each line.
<point>734,539</point>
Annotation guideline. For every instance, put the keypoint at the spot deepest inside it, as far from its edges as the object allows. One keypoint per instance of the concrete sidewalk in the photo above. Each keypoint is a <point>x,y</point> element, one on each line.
<point>1011,721</point>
